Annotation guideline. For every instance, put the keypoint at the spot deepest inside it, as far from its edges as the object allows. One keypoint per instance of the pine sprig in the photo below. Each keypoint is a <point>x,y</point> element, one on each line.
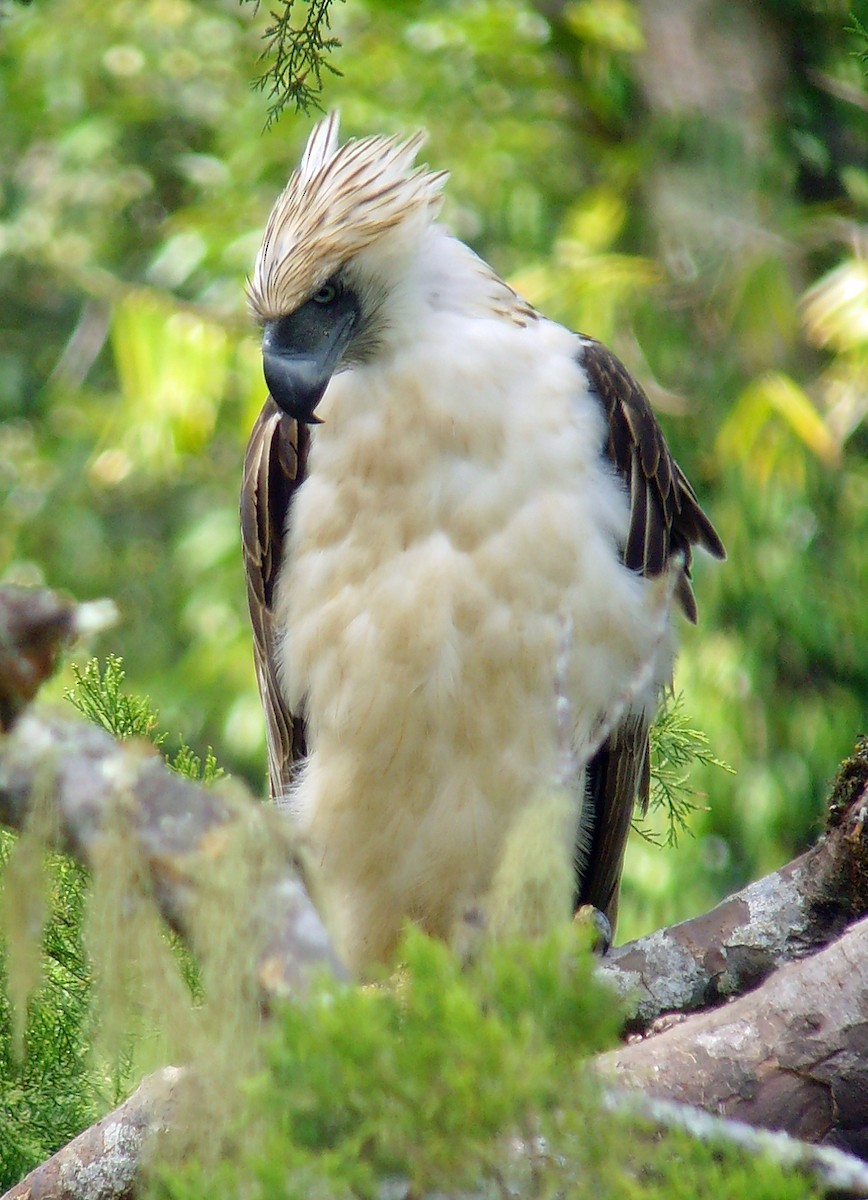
<point>675,746</point>
<point>187,763</point>
<point>52,1090</point>
<point>858,28</point>
<point>297,57</point>
<point>99,697</point>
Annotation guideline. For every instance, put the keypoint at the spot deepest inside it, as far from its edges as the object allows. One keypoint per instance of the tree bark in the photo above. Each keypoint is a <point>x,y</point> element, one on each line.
<point>792,1055</point>
<point>104,1162</point>
<point>191,841</point>
<point>787,915</point>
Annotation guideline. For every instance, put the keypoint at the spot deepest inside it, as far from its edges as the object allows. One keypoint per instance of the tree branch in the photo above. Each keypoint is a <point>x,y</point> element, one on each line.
<point>844,1173</point>
<point>103,1162</point>
<point>299,55</point>
<point>192,841</point>
<point>781,918</point>
<point>35,626</point>
<point>791,1056</point>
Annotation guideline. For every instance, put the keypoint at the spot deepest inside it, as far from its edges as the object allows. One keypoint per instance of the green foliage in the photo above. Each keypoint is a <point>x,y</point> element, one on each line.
<point>851,779</point>
<point>425,1078</point>
<point>99,697</point>
<point>300,56</point>
<point>187,763</point>
<point>49,1089</point>
<point>862,33</point>
<point>675,747</point>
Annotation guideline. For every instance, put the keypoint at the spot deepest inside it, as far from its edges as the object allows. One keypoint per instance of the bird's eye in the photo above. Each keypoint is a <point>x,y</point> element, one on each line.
<point>327,294</point>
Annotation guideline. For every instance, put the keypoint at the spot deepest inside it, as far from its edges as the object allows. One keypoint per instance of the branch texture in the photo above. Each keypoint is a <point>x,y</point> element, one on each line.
<point>781,918</point>
<point>103,1162</point>
<point>193,842</point>
<point>791,1056</point>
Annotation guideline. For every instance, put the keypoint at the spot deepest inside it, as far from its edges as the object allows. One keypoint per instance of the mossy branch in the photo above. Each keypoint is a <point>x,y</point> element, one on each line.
<point>192,842</point>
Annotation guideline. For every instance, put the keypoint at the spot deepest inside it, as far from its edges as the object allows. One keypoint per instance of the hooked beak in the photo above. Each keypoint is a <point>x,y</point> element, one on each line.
<point>299,357</point>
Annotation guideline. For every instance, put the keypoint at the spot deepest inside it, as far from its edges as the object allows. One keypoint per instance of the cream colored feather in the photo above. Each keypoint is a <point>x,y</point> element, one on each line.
<point>458,507</point>
<point>339,201</point>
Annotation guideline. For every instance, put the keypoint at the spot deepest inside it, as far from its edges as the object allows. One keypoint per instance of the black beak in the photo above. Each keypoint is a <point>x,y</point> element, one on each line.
<point>296,383</point>
<point>301,352</point>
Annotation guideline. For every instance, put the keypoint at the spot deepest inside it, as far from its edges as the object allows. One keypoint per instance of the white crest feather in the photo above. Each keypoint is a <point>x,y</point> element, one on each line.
<point>338,201</point>
<point>321,145</point>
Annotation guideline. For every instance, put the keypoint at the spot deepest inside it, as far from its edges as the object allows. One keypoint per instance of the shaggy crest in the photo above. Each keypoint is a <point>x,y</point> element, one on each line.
<point>337,202</point>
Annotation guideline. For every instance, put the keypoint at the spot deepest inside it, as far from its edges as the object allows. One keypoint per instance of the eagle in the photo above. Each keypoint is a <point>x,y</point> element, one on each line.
<point>442,482</point>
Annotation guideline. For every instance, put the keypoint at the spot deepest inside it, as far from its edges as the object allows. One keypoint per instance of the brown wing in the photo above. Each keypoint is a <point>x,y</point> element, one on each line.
<point>665,519</point>
<point>274,466</point>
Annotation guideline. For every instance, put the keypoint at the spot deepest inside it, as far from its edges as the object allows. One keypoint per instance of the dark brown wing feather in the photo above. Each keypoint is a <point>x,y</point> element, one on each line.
<point>665,519</point>
<point>274,466</point>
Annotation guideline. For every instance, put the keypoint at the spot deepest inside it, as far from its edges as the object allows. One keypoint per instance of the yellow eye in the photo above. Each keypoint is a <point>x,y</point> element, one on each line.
<point>327,294</point>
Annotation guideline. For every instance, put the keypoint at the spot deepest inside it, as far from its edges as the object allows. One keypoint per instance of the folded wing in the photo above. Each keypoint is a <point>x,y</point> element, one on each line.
<point>274,467</point>
<point>665,520</point>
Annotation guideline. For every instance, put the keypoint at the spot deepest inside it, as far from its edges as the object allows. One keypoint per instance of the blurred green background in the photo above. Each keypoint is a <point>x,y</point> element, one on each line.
<point>684,179</point>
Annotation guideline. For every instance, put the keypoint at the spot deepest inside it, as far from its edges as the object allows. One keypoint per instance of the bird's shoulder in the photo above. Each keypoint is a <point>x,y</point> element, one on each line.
<point>666,517</point>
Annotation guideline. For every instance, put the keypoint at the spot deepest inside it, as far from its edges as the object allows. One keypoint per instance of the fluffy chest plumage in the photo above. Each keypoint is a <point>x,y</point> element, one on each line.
<point>412,578</point>
<point>457,513</point>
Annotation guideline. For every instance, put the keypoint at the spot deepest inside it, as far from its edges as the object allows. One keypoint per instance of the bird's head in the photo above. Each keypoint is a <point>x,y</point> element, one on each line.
<point>338,235</point>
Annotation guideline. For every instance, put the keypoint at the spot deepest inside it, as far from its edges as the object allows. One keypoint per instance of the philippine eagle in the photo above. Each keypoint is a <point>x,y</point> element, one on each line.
<point>441,482</point>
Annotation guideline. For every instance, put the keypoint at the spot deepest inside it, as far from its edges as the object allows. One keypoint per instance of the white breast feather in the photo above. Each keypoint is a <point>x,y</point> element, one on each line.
<point>457,510</point>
